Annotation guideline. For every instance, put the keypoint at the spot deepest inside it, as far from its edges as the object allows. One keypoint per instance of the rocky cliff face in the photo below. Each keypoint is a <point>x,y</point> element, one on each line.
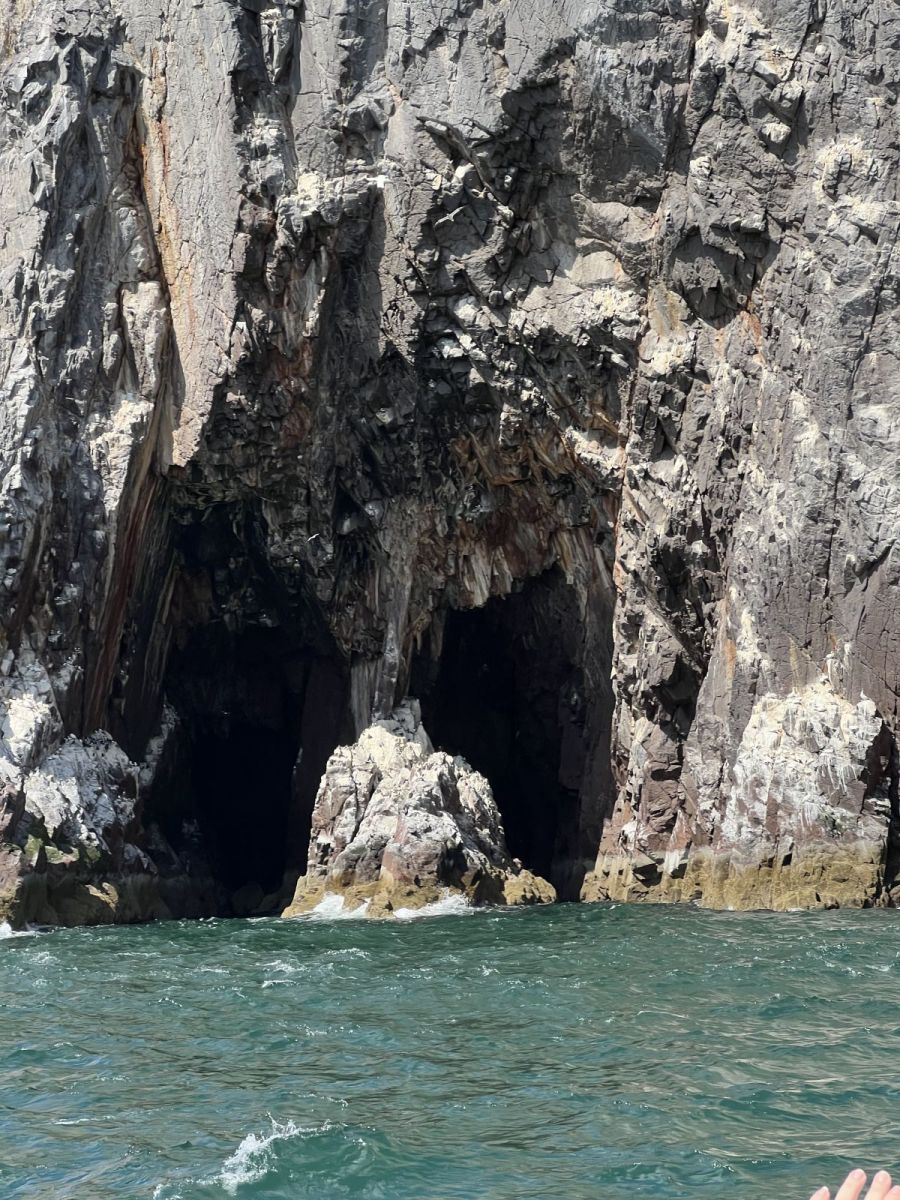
<point>534,359</point>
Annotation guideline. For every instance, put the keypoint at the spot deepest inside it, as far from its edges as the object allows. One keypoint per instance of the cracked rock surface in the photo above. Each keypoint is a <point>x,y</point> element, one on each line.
<point>348,340</point>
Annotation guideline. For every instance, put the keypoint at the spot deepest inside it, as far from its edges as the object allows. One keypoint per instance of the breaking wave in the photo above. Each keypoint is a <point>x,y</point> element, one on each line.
<point>450,905</point>
<point>7,931</point>
<point>254,1157</point>
<point>332,908</point>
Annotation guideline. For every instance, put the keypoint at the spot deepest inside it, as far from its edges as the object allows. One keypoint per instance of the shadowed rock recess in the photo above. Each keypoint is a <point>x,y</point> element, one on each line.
<point>531,365</point>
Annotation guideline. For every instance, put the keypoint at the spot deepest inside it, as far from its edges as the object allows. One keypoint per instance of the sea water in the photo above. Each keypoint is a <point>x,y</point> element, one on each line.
<point>570,1052</point>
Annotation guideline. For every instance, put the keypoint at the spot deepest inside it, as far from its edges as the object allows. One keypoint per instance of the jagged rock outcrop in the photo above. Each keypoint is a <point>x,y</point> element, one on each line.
<point>351,350</point>
<point>397,824</point>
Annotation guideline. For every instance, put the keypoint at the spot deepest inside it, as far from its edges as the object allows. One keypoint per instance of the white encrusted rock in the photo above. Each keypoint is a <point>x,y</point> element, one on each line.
<point>395,817</point>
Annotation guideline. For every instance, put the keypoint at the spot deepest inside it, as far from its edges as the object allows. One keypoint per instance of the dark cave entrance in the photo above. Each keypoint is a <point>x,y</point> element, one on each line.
<point>261,695</point>
<point>259,718</point>
<point>241,775</point>
<point>506,690</point>
<point>240,737</point>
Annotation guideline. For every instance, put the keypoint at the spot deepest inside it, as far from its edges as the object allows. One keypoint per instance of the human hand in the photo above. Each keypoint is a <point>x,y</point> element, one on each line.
<point>855,1182</point>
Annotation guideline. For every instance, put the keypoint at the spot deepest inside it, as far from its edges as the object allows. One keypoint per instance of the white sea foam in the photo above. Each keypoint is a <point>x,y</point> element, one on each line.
<point>450,904</point>
<point>285,967</point>
<point>7,931</point>
<point>253,1157</point>
<point>250,1163</point>
<point>331,908</point>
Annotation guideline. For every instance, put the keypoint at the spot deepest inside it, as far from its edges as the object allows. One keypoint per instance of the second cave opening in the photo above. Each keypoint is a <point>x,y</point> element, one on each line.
<point>505,689</point>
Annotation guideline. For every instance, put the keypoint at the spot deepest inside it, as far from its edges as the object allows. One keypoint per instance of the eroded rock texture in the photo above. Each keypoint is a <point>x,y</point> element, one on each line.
<point>357,349</point>
<point>397,824</point>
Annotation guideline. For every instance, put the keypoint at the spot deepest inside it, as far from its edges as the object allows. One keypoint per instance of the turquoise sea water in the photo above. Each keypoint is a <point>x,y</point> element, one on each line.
<point>570,1052</point>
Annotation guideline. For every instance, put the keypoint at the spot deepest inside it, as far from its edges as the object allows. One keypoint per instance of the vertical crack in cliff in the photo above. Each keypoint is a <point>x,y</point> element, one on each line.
<point>892,850</point>
<point>506,691</point>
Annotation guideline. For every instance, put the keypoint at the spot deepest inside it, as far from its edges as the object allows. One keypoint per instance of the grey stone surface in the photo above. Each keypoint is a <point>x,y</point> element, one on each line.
<point>320,320</point>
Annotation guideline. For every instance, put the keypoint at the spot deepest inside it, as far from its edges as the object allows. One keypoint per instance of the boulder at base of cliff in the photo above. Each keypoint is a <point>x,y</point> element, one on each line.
<point>397,824</point>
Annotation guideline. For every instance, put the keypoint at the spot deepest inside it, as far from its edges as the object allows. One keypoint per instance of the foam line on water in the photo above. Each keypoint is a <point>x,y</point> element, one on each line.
<point>449,905</point>
<point>332,907</point>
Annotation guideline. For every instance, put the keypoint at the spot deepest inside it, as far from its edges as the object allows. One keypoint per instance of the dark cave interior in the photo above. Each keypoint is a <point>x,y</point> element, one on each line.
<point>261,697</point>
<point>260,718</point>
<point>505,691</point>
<point>242,777</point>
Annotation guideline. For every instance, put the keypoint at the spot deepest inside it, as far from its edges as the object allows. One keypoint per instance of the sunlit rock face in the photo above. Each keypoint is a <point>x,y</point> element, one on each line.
<point>537,360</point>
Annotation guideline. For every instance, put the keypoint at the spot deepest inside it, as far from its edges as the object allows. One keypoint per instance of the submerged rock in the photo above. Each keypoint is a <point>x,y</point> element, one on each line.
<point>399,824</point>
